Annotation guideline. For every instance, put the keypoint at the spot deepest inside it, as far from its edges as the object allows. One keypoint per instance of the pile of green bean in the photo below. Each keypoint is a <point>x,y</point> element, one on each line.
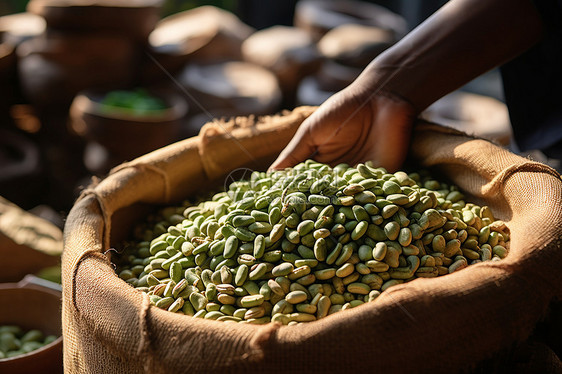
<point>297,245</point>
<point>14,341</point>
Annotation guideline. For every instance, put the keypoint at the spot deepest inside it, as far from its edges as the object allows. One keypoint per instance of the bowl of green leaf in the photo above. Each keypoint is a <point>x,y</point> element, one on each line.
<point>128,123</point>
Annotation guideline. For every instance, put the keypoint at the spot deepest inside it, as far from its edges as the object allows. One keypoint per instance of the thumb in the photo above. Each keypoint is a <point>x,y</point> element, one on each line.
<point>298,150</point>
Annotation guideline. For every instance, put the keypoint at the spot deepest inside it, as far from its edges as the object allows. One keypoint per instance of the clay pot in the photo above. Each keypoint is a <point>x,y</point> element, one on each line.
<point>355,45</point>
<point>31,305</point>
<point>132,18</point>
<point>54,68</point>
<point>288,52</point>
<point>121,135</point>
<point>240,88</point>
<point>319,16</point>
<point>205,34</point>
<point>479,115</point>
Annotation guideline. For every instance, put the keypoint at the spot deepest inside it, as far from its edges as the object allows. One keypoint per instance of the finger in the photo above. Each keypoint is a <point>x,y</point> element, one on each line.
<point>299,149</point>
<point>392,153</point>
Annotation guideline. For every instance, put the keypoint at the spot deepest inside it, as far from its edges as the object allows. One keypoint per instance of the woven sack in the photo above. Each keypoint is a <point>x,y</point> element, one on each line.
<point>28,243</point>
<point>444,324</point>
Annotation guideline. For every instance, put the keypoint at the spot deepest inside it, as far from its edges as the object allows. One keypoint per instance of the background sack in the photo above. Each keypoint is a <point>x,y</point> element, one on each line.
<point>443,324</point>
<point>28,243</point>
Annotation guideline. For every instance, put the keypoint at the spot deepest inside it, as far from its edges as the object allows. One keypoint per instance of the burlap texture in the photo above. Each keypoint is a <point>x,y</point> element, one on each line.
<point>446,324</point>
<point>29,243</point>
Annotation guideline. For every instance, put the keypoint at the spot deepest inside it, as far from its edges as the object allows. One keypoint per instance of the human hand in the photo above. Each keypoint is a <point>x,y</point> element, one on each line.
<point>353,126</point>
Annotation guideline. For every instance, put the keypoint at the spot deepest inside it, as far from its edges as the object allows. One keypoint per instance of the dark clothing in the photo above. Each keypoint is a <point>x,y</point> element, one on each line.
<point>533,87</point>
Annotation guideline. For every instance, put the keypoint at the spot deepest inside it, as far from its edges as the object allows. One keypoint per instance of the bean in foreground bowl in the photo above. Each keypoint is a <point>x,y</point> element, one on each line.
<point>30,327</point>
<point>15,341</point>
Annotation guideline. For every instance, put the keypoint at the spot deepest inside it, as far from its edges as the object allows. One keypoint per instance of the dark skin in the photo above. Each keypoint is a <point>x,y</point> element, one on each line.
<point>372,118</point>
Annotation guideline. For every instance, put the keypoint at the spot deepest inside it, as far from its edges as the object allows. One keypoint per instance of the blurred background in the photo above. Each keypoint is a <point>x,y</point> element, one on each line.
<point>85,86</point>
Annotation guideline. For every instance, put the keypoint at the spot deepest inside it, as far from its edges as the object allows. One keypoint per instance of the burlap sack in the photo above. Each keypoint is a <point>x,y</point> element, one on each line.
<point>28,243</point>
<point>445,324</point>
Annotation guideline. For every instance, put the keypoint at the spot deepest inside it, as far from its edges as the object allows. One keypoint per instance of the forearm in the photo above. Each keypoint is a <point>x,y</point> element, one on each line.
<point>461,41</point>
